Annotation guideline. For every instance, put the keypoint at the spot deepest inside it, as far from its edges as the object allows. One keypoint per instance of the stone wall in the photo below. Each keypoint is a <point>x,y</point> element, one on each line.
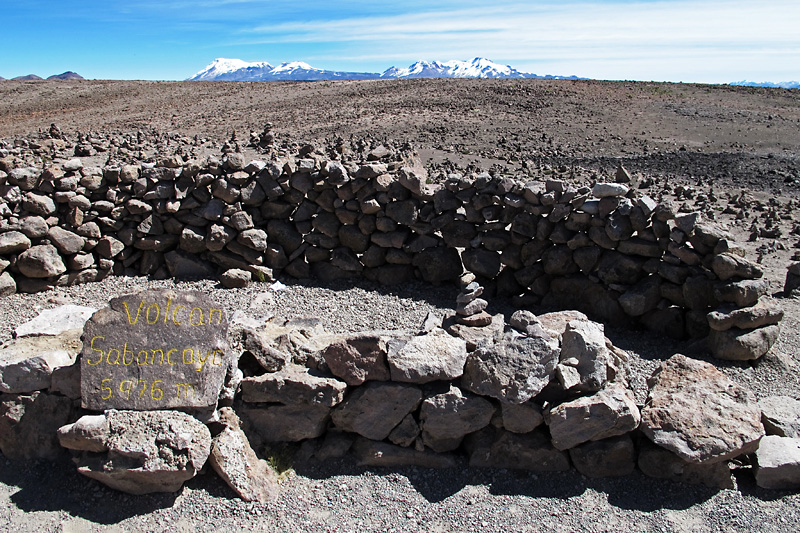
<point>607,250</point>
<point>541,393</point>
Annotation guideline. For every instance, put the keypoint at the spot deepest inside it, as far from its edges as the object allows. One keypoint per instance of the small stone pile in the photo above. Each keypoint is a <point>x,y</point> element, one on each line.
<point>471,309</point>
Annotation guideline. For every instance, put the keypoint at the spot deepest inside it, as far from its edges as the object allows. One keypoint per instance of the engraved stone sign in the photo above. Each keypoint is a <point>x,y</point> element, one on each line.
<point>158,349</point>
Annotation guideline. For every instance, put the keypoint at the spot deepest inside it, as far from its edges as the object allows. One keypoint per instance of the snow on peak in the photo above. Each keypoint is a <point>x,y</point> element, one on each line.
<point>221,66</point>
<point>294,65</point>
<point>475,68</point>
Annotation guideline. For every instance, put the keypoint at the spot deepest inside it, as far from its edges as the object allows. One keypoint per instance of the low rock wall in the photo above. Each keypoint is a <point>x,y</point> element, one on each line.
<point>607,250</point>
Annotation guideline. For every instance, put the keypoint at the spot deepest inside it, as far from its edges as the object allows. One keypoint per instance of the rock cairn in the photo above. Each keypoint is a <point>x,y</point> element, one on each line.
<point>471,309</point>
<point>156,209</point>
<point>544,393</point>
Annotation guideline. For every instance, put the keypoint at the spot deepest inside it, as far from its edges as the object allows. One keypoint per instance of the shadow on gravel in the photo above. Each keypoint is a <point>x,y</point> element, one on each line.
<point>48,486</point>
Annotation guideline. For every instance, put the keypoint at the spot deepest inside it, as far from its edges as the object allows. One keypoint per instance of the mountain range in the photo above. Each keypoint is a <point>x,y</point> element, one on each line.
<point>782,84</point>
<point>68,75</point>
<point>238,70</point>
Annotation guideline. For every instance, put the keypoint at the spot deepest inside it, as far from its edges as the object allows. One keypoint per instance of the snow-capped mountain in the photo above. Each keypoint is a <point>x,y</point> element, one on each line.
<point>476,68</point>
<point>238,70</point>
<point>782,84</point>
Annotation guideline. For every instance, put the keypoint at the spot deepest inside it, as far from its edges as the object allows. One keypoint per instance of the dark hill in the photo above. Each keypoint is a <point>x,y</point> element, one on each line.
<point>26,78</point>
<point>68,75</point>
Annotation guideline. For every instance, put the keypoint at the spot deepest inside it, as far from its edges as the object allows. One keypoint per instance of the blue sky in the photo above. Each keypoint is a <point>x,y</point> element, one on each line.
<point>713,41</point>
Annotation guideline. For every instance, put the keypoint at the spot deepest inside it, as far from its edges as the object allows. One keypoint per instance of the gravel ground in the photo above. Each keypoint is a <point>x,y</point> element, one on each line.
<point>341,496</point>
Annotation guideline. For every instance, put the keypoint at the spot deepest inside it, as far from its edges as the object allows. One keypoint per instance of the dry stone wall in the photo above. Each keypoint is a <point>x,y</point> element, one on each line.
<point>607,250</point>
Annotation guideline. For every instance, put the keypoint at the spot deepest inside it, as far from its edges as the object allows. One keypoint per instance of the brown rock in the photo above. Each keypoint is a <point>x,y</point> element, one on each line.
<point>28,425</point>
<point>357,359</point>
<point>698,413</point>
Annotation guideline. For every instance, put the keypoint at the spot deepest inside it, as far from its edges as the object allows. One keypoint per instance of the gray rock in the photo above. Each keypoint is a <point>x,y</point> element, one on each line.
<point>157,349</point>
<point>406,432</point>
<point>233,459</point>
<point>513,368</point>
<point>482,262</point>
<point>293,384</point>
<point>68,243</point>
<point>521,418</point>
<point>38,204</point>
<point>532,451</point>
<point>375,409</point>
<point>34,227</point>
<point>13,241</point>
<point>698,413</point>
<point>41,261</point>
<point>730,266</point>
<point>438,264</point>
<point>259,346</point>
<point>778,463</point>
<point>7,284</point>
<point>371,453</point>
<point>611,457</point>
<point>109,247</point>
<point>358,358</point>
<point>780,416</point>
<point>28,425</point>
<point>656,462</point>
<point>287,423</point>
<point>142,452</point>
<point>56,321</point>
<point>445,418</point>
<point>235,278</point>
<point>743,293</point>
<point>521,320</point>
<point>187,266</point>
<point>425,358</point>
<point>26,364</point>
<point>607,413</point>
<point>604,190</point>
<point>742,344</point>
<point>583,346</point>
<point>762,314</point>
<point>66,380</point>
<point>472,308</point>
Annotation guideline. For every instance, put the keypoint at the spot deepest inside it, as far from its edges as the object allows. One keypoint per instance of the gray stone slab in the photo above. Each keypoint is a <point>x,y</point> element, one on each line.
<point>155,350</point>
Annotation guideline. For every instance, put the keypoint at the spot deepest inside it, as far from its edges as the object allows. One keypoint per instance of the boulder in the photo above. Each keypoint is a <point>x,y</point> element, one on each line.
<point>521,418</point>
<point>375,409</point>
<point>12,242</point>
<point>68,243</point>
<point>438,264</point>
<point>425,358</point>
<point>372,453</point>
<point>605,190</point>
<point>56,321</point>
<point>26,364</point>
<point>490,448</point>
<point>607,413</point>
<point>611,457</point>
<point>731,266</point>
<point>778,463</point>
<point>236,463</point>
<point>445,418</point>
<point>235,278</point>
<point>28,425</point>
<point>41,261</point>
<point>139,452</point>
<point>736,344</point>
<point>743,293</point>
<point>287,423</point>
<point>762,314</point>
<point>293,384</point>
<point>482,262</point>
<point>698,413</point>
<point>657,462</point>
<point>358,358</point>
<point>780,416</point>
<point>182,265</point>
<point>583,347</point>
<point>513,368</point>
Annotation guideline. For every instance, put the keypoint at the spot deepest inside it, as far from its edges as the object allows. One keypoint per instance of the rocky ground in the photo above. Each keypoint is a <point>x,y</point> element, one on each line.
<point>733,153</point>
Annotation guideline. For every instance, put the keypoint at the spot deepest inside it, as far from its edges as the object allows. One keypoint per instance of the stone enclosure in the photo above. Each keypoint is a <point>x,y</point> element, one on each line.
<point>539,393</point>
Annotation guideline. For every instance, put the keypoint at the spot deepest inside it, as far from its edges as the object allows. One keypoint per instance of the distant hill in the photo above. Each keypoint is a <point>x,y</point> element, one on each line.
<point>2,78</point>
<point>26,78</point>
<point>68,75</point>
<point>781,84</point>
<point>238,70</point>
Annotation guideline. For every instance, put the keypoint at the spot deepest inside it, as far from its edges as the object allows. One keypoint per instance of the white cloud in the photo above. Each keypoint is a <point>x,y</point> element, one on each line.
<point>621,39</point>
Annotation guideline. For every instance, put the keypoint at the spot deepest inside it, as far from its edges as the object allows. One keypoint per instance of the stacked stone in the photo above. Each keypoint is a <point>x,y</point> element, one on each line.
<point>548,392</point>
<point>606,250</point>
<point>470,309</point>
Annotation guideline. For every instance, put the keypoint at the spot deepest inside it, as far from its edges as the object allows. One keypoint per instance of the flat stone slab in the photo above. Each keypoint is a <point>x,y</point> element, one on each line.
<point>26,364</point>
<point>778,463</point>
<point>56,321</point>
<point>155,350</point>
